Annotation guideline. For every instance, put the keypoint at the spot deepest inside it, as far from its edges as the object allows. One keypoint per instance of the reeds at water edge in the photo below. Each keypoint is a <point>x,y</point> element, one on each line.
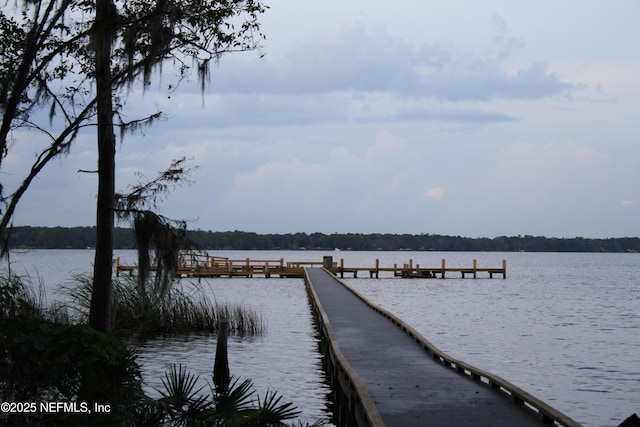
<point>182,309</point>
<point>24,295</point>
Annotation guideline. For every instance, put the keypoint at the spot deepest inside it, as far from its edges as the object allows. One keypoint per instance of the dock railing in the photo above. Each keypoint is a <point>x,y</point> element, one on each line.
<point>354,405</point>
<point>409,270</point>
<point>197,265</point>
<point>545,413</point>
<point>196,261</point>
<point>300,264</point>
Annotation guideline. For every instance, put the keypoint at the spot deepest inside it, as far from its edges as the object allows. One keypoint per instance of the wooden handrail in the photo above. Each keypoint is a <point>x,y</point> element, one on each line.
<point>366,412</point>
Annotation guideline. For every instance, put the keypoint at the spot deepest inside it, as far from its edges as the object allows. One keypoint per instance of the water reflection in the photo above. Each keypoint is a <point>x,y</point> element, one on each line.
<point>284,359</point>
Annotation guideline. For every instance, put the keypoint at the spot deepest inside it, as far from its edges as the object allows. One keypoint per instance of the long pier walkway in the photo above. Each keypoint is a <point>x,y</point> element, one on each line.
<point>202,265</point>
<point>407,381</point>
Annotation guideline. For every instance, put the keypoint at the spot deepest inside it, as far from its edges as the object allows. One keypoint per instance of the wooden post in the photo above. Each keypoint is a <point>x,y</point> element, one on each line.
<point>221,376</point>
<point>341,267</point>
<point>117,266</point>
<point>475,265</point>
<point>443,267</point>
<point>377,267</point>
<point>327,262</point>
<point>504,268</point>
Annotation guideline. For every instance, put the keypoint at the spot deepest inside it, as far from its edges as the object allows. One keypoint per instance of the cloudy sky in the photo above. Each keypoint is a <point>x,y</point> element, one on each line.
<point>478,119</point>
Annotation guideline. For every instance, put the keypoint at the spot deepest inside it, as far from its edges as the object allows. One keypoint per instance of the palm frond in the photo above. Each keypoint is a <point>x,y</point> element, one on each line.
<point>271,412</point>
<point>181,391</point>
<point>237,398</point>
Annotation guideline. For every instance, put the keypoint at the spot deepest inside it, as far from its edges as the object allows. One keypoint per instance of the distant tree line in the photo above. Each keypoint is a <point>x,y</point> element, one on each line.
<point>84,237</point>
<point>65,238</point>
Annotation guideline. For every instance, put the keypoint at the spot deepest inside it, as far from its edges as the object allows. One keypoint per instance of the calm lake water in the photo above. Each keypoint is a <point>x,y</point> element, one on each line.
<point>563,327</point>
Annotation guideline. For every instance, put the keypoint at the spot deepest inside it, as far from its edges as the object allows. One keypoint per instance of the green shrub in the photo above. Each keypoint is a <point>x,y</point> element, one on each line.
<point>48,362</point>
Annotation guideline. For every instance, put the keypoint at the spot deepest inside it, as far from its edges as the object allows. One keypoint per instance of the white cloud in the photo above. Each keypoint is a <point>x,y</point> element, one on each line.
<point>565,186</point>
<point>358,60</point>
<point>344,185</point>
<point>433,193</point>
<point>532,174</point>
<point>366,76</point>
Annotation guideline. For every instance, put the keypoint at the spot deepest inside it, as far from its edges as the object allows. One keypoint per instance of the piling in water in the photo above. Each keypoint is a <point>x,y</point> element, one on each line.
<point>221,376</point>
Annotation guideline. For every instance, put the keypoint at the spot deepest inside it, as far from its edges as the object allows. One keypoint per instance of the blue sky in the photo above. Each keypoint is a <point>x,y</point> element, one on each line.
<point>463,118</point>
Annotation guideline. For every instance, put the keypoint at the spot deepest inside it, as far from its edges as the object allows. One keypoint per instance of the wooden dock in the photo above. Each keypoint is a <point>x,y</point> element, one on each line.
<point>411,271</point>
<point>201,265</point>
<point>384,373</point>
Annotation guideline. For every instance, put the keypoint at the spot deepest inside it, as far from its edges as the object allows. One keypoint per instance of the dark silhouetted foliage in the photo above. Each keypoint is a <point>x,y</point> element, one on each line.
<point>82,237</point>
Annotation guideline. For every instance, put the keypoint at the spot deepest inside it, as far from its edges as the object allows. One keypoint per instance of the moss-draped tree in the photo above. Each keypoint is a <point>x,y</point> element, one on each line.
<point>77,60</point>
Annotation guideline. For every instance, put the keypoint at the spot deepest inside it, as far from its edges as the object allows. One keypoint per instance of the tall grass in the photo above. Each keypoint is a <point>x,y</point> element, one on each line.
<point>26,296</point>
<point>180,310</point>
